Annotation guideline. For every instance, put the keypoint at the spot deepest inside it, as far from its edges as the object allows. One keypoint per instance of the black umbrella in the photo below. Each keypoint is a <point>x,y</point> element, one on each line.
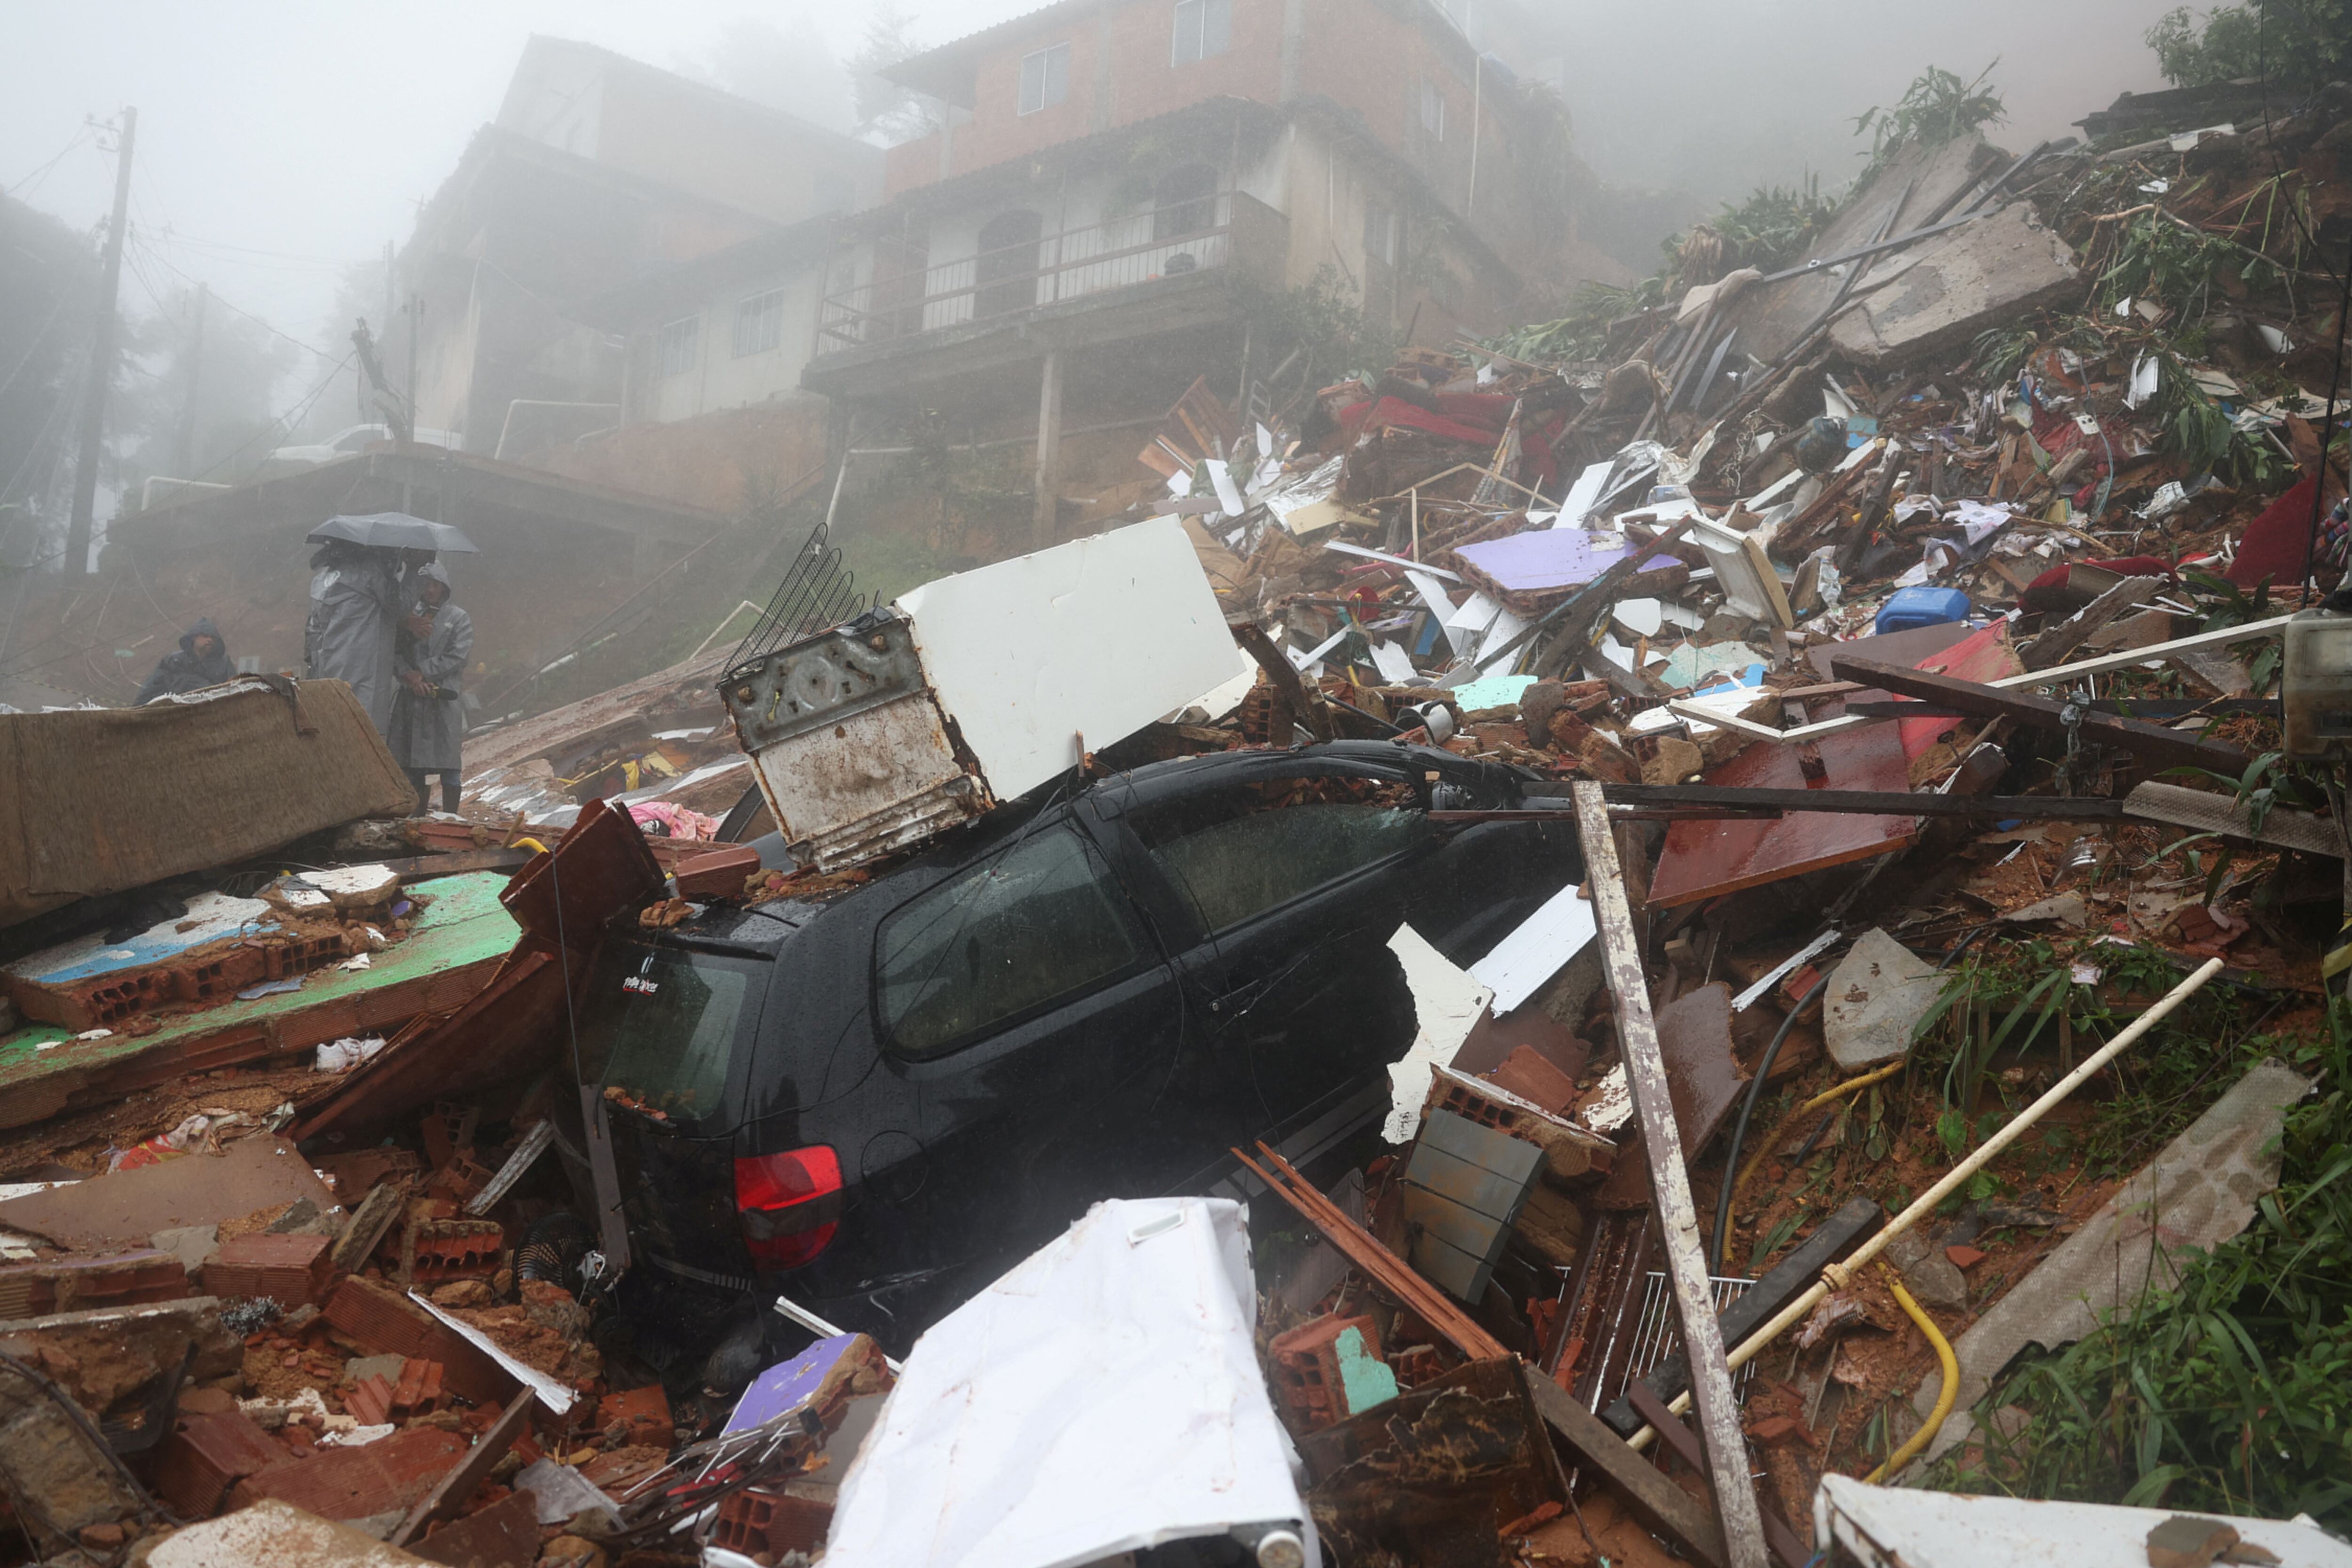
<point>393,531</point>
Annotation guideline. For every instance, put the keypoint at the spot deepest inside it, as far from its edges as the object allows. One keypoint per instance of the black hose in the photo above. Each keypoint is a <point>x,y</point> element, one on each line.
<point>1739,1129</point>
<point>1755,1091</point>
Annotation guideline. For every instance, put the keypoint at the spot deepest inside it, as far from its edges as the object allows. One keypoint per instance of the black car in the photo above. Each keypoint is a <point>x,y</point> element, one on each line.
<point>877,1101</point>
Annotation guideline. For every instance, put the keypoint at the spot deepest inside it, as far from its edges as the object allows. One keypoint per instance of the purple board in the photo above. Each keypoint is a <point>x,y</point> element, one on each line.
<point>787,1384</point>
<point>1545,560</point>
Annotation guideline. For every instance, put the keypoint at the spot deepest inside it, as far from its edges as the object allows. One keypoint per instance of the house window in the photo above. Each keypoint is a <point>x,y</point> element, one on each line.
<point>1203,27</point>
<point>1380,233</point>
<point>759,323</point>
<point>1044,79</point>
<point>1433,109</point>
<point>674,346</point>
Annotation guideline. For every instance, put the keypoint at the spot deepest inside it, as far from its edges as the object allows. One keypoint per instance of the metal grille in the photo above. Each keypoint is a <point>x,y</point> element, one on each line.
<point>817,592</point>
<point>1658,1332</point>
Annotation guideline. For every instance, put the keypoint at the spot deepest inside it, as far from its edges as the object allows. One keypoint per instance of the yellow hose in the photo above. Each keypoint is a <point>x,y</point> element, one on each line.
<point>1850,1085</point>
<point>1945,1398</point>
<point>533,845</point>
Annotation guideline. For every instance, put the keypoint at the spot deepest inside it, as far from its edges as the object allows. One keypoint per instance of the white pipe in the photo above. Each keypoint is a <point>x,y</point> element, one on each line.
<point>1837,1274</point>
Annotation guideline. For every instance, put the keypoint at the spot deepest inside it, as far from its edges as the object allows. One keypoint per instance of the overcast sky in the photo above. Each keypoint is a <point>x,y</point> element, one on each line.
<point>280,141</point>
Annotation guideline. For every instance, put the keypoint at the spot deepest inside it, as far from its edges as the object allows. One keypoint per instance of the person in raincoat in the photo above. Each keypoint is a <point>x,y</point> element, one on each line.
<point>203,661</point>
<point>355,609</point>
<point>428,715</point>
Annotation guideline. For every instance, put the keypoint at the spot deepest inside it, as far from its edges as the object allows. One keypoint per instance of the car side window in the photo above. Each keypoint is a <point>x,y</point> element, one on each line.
<point>1239,851</point>
<point>1038,923</point>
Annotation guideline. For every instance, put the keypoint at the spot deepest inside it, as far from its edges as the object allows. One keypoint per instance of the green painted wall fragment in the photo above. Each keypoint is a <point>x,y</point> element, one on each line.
<point>1365,1380</point>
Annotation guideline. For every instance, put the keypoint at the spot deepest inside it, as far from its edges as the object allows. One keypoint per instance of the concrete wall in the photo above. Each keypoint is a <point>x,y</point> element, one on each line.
<point>1368,58</point>
<point>658,126</point>
<point>720,378</point>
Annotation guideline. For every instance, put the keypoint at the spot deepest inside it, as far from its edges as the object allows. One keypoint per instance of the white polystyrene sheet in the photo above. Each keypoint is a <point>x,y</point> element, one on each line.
<point>1447,1003</point>
<point>1475,613</point>
<point>1537,949</point>
<point>1101,1398</point>
<point>1096,637</point>
<point>1584,495</point>
<point>1394,663</point>
<point>1225,695</point>
<point>1883,1526</point>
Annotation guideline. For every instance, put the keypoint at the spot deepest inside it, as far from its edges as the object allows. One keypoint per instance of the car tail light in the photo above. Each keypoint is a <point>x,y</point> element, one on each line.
<point>790,1204</point>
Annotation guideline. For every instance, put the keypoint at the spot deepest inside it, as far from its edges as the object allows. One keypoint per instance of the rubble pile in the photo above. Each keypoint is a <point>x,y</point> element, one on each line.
<point>1891,634</point>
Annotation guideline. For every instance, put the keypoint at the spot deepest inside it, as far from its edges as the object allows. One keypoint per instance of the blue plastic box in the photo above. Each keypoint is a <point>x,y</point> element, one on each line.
<point>1912,608</point>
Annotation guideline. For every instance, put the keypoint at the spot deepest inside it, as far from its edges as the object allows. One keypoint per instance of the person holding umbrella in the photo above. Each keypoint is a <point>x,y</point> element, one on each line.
<point>357,598</point>
<point>428,714</point>
<point>354,615</point>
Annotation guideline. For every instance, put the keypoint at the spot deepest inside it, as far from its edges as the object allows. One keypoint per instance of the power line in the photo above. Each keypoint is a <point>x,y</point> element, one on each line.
<point>146,248</point>
<point>42,172</point>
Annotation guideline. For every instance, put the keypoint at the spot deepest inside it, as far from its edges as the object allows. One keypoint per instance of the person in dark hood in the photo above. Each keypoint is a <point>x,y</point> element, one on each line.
<point>203,661</point>
<point>428,712</point>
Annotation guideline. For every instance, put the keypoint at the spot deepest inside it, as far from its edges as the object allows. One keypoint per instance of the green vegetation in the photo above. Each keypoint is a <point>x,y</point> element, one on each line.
<point>1773,227</point>
<point>1324,319</point>
<point>2228,1389</point>
<point>1936,107</point>
<point>2299,44</point>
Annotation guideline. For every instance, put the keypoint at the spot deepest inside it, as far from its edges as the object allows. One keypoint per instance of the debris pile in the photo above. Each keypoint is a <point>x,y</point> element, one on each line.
<point>1888,632</point>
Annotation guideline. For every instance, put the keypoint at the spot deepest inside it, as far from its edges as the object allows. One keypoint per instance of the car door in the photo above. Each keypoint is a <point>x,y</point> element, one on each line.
<point>1022,1011</point>
<point>1285,882</point>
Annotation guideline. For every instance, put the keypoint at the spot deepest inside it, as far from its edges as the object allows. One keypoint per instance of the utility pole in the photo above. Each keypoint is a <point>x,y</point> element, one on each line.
<point>101,360</point>
<point>415,317</point>
<point>187,437</point>
<point>386,317</point>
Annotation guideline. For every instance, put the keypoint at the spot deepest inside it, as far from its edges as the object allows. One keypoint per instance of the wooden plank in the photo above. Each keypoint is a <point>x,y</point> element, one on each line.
<point>1687,1271</point>
<point>1703,860</point>
<point>1363,1249</point>
<point>2056,642</point>
<point>1657,1503</point>
<point>1787,1549</point>
<point>451,1493</point>
<point>2151,742</point>
<point>2203,812</point>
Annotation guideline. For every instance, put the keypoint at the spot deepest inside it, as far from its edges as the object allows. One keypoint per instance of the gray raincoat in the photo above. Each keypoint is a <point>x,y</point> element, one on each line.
<point>427,731</point>
<point>356,604</point>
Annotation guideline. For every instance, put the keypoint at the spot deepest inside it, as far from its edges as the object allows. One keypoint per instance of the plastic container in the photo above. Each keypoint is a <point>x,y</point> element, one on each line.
<point>2315,685</point>
<point>1912,608</point>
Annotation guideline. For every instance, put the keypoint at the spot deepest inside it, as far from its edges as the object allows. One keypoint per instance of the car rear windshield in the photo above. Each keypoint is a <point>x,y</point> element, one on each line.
<point>660,1025</point>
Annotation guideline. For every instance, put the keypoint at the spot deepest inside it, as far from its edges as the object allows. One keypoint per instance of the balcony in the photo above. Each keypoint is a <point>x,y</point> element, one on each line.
<point>1172,262</point>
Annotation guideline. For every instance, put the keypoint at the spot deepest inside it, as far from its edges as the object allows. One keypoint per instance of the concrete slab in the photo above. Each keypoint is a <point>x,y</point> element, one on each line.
<point>1953,287</point>
<point>459,936</point>
<point>2197,1192</point>
<point>274,1534</point>
<point>129,1208</point>
<point>1877,993</point>
<point>1913,184</point>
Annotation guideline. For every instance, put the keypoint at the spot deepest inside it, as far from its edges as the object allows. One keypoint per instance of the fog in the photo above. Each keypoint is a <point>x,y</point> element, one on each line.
<point>278,144</point>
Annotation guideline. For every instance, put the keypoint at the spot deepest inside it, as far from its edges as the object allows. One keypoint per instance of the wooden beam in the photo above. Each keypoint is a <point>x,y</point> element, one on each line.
<point>2056,642</point>
<point>1655,1503</point>
<point>2253,631</point>
<point>1787,1549</point>
<point>2151,742</point>
<point>1687,1271</point>
<point>450,1493</point>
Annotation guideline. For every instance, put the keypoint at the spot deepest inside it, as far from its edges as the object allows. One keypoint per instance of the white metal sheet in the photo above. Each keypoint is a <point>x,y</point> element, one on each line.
<point>1101,1398</point>
<point>1535,949</point>
<point>1096,638</point>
